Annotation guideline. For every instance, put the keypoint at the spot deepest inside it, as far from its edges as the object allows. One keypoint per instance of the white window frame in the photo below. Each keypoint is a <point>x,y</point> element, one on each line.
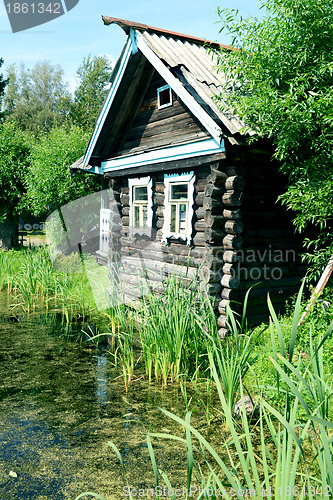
<point>189,179</point>
<point>104,231</point>
<point>138,182</point>
<point>161,89</point>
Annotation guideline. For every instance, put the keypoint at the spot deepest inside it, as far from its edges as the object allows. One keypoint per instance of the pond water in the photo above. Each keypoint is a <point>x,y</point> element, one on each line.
<point>60,403</point>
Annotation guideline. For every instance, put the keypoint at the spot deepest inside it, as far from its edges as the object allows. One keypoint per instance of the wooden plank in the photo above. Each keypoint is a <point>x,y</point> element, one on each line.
<point>174,165</point>
<point>170,137</point>
<point>319,288</point>
<point>149,113</point>
<point>134,89</point>
<point>158,126</point>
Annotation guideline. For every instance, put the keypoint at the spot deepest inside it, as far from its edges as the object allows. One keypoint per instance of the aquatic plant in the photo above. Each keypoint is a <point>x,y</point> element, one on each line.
<point>172,323</point>
<point>233,356</point>
<point>294,456</point>
<point>34,283</point>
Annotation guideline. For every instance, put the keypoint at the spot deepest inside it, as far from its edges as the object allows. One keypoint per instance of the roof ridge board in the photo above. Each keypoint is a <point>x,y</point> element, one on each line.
<point>126,25</point>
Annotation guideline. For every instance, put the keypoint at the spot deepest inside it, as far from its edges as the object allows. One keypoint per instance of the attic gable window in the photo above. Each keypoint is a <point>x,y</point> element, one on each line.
<point>164,96</point>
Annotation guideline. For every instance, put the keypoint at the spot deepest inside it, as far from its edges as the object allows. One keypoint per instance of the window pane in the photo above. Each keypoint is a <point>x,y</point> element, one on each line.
<point>145,215</point>
<point>140,193</point>
<point>164,97</point>
<point>182,218</point>
<point>179,191</point>
<point>173,212</point>
<point>136,216</point>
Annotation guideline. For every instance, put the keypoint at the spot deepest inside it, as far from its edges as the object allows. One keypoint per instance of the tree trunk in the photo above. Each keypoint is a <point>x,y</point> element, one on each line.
<point>8,233</point>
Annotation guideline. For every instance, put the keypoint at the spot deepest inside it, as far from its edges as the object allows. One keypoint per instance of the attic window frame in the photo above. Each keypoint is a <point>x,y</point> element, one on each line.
<point>159,91</point>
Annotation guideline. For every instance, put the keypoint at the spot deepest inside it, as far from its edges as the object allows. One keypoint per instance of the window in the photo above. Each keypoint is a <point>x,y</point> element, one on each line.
<point>164,96</point>
<point>140,198</point>
<point>178,202</point>
<point>140,206</point>
<point>178,209</point>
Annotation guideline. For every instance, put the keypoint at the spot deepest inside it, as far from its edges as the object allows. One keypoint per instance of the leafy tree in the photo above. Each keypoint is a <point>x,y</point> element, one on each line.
<point>93,74</point>
<point>15,148</point>
<point>49,183</point>
<point>12,91</point>
<point>280,84</point>
<point>3,84</point>
<point>37,99</point>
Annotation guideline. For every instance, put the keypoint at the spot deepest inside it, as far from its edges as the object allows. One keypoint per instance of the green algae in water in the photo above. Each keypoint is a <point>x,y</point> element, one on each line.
<point>60,403</point>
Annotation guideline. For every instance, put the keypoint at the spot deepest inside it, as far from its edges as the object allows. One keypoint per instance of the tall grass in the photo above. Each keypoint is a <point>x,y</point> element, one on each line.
<point>234,357</point>
<point>34,284</point>
<point>170,329</point>
<point>294,456</point>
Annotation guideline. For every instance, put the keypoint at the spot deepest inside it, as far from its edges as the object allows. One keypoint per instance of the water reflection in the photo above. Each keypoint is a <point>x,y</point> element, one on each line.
<point>101,376</point>
<point>60,403</point>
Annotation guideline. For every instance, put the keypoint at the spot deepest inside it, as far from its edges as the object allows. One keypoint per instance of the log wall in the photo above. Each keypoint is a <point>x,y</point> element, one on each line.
<point>261,247</point>
<point>240,236</point>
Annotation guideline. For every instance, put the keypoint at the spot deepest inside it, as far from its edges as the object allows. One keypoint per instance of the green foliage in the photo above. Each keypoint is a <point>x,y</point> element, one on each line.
<point>49,183</point>
<point>171,328</point>
<point>288,452</point>
<point>35,285</point>
<point>280,84</point>
<point>3,84</point>
<point>36,99</point>
<point>93,74</point>
<point>15,148</point>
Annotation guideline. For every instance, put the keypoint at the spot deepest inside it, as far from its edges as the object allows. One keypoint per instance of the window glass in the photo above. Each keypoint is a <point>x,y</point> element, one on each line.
<point>179,191</point>
<point>182,217</point>
<point>144,216</point>
<point>164,97</point>
<point>173,215</point>
<point>140,193</point>
<point>136,216</point>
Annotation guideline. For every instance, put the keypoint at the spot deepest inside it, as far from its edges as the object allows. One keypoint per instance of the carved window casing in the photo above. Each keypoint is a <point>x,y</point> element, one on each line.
<point>178,206</point>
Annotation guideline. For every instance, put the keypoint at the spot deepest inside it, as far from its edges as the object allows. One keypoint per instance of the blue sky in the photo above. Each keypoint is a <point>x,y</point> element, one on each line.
<point>80,32</point>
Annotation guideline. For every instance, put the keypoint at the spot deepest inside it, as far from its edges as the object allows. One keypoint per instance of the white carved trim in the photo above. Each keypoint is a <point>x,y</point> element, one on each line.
<point>169,179</point>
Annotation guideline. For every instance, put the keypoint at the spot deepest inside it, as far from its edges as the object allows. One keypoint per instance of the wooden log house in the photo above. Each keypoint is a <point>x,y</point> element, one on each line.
<point>183,175</point>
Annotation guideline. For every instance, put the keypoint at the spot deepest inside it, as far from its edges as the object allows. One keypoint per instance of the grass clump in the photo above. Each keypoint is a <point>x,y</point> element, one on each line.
<point>171,333</point>
<point>288,452</point>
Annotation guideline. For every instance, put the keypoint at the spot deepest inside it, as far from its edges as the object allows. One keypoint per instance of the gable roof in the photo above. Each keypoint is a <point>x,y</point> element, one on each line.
<point>185,62</point>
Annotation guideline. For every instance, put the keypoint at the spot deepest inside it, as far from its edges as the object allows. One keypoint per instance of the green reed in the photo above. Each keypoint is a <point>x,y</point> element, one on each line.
<point>171,331</point>
<point>34,283</point>
<point>294,455</point>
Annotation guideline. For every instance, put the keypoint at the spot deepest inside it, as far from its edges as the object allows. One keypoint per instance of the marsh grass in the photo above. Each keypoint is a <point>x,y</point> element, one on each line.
<point>287,453</point>
<point>171,330</point>
<point>233,356</point>
<point>35,285</point>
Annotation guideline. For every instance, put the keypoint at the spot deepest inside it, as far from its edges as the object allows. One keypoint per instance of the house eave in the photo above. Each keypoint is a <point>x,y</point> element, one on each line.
<point>164,155</point>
